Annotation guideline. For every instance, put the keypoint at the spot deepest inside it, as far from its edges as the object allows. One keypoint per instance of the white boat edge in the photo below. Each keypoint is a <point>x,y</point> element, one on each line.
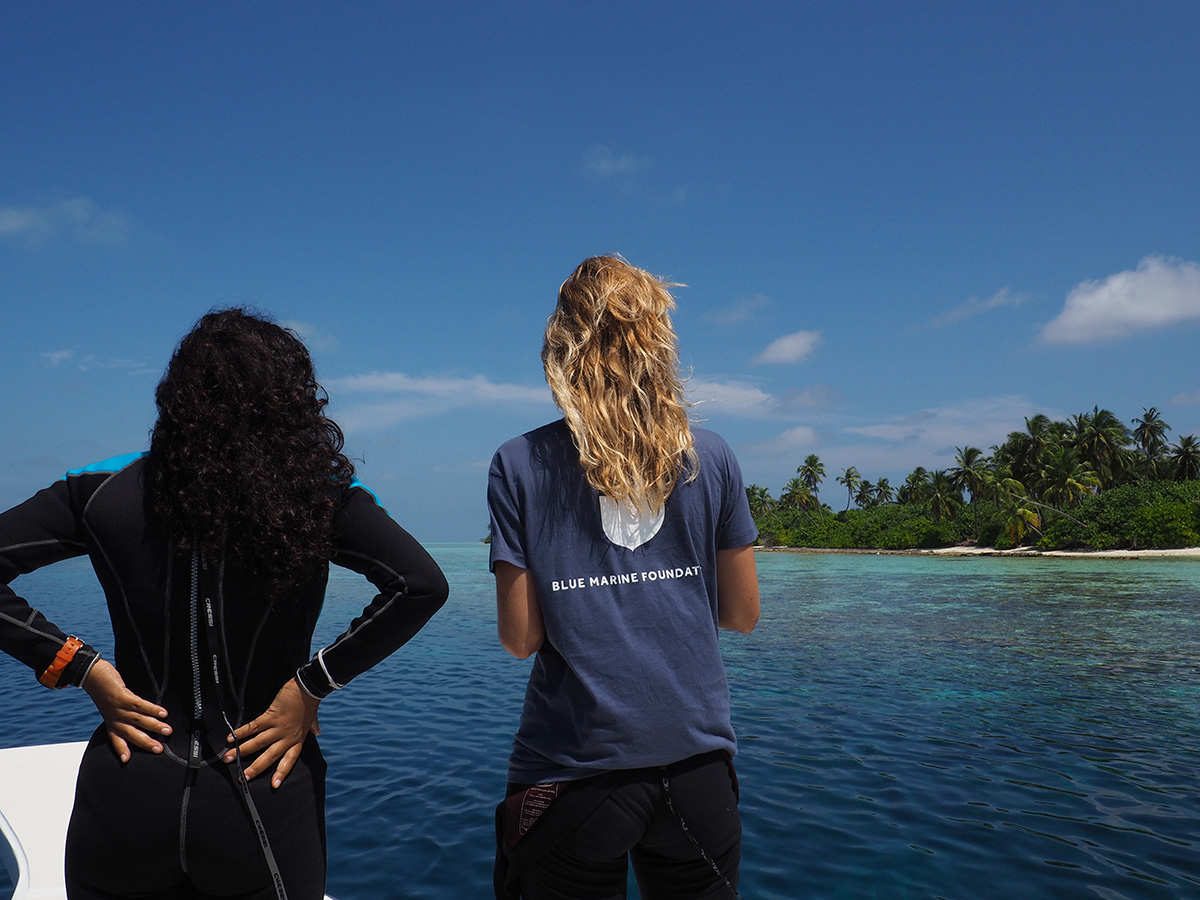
<point>37,791</point>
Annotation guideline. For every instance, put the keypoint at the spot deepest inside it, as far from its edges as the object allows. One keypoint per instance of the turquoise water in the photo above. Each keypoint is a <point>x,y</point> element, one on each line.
<point>910,728</point>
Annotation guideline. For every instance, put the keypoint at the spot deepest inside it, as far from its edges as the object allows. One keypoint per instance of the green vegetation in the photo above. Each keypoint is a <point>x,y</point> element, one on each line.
<point>1089,483</point>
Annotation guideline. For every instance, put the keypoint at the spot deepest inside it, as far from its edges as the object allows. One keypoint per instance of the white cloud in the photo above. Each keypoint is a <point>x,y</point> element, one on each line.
<point>88,362</point>
<point>748,401</point>
<point>977,423</point>
<point>800,439</point>
<point>474,389</point>
<point>1187,398</point>
<point>15,222</point>
<point>817,396</point>
<point>312,336</point>
<point>791,348</point>
<point>910,429</point>
<point>892,447</point>
<point>405,397</point>
<point>731,398</point>
<point>975,306</point>
<point>602,162</point>
<point>740,311</point>
<point>78,217</point>
<point>1160,292</point>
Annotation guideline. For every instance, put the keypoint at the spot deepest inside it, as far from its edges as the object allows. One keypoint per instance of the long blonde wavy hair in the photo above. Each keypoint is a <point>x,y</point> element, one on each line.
<point>612,362</point>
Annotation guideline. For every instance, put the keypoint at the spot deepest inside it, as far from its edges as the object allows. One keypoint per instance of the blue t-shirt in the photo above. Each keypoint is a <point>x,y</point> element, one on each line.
<point>630,674</point>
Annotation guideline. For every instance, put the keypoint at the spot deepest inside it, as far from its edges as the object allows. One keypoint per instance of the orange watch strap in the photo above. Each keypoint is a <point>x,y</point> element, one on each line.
<point>62,659</point>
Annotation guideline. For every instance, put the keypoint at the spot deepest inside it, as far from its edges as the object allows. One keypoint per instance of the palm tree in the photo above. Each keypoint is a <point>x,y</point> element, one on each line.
<point>796,495</point>
<point>761,502</point>
<point>968,473</point>
<point>1150,434</point>
<point>864,494</point>
<point>1127,467</point>
<point>793,493</point>
<point>884,492</point>
<point>916,486</point>
<point>1186,456</point>
<point>989,484</point>
<point>850,478</point>
<point>812,473</point>
<point>1101,439</point>
<point>944,497</point>
<point>1066,480</point>
<point>1009,488</point>
<point>1016,515</point>
<point>1018,518</point>
<point>1021,453</point>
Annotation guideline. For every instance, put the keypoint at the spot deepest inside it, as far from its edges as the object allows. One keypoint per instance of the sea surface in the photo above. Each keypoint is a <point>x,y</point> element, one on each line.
<point>910,727</point>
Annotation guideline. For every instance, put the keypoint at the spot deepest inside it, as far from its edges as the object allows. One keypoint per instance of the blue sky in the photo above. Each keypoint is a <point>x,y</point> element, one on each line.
<point>903,227</point>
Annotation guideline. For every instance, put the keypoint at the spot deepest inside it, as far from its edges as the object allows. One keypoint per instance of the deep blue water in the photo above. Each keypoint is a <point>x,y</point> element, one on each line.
<point>910,727</point>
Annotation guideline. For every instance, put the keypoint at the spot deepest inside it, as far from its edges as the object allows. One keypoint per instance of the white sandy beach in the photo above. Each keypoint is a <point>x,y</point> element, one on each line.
<point>1181,553</point>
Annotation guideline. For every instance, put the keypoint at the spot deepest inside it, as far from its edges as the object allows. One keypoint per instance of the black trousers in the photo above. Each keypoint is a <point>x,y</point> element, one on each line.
<point>156,830</point>
<point>678,824</point>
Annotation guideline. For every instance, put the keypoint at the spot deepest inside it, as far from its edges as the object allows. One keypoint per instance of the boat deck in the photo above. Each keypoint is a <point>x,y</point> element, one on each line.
<point>37,790</point>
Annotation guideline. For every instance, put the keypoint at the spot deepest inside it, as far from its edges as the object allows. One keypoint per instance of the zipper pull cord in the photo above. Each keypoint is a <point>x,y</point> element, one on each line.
<point>666,786</point>
<point>259,828</point>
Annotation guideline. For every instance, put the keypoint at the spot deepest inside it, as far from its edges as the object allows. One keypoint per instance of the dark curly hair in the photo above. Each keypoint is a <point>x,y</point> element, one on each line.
<point>242,458</point>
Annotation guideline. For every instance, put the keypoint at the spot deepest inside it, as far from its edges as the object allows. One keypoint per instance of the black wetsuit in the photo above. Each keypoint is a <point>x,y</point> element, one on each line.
<point>198,638</point>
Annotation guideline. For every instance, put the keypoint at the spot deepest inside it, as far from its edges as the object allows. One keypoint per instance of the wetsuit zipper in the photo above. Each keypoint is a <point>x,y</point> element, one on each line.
<point>194,638</point>
<point>214,642</point>
<point>194,754</point>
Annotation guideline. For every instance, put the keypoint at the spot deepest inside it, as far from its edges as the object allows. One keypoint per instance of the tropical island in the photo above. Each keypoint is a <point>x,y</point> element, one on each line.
<point>1090,483</point>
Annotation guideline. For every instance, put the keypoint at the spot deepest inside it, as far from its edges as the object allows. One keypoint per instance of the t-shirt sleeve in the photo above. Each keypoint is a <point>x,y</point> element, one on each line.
<point>737,528</point>
<point>504,512</point>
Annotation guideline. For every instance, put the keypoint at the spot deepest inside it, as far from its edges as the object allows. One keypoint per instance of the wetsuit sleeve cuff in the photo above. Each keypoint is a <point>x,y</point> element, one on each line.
<point>314,679</point>
<point>77,669</point>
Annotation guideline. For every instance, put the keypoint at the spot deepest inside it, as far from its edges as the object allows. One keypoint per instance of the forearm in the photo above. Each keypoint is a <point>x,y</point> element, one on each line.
<point>411,589</point>
<point>41,531</point>
<point>518,611</point>
<point>737,589</point>
<point>26,635</point>
<point>390,621</point>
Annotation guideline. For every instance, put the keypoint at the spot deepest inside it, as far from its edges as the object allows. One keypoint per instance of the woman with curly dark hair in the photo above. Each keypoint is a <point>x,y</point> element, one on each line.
<point>242,456</point>
<point>213,552</point>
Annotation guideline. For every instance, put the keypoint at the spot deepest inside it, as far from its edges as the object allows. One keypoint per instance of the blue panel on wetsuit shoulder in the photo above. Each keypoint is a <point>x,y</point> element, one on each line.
<point>354,482</point>
<point>112,464</point>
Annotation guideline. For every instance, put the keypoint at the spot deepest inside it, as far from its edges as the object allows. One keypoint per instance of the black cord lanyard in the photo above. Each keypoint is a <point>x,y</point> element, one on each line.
<point>666,785</point>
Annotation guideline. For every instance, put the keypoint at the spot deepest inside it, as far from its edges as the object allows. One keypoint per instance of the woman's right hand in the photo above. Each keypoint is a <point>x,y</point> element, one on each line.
<point>129,719</point>
<point>278,735</point>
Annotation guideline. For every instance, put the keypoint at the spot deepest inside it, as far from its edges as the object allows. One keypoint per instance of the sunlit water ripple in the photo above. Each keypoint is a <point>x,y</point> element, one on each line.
<point>909,727</point>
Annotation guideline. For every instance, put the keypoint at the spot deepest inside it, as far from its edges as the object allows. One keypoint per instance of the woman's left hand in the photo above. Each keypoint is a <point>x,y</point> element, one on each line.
<point>278,733</point>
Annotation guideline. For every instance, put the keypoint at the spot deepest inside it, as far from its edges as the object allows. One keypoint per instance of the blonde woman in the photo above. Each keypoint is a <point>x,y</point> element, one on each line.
<point>621,542</point>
